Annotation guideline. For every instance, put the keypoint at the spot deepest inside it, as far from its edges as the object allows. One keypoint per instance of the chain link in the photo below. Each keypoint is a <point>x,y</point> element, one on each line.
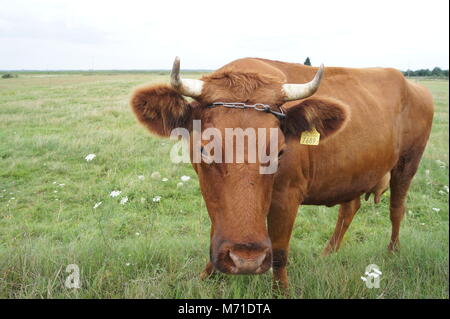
<point>258,107</point>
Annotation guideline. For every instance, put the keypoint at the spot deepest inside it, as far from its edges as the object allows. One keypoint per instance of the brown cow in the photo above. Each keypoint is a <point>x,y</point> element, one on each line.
<point>372,123</point>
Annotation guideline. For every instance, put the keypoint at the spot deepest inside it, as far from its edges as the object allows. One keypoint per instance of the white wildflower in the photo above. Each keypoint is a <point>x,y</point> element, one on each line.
<point>62,185</point>
<point>165,179</point>
<point>436,209</point>
<point>90,157</point>
<point>127,264</point>
<point>185,178</point>
<point>446,188</point>
<point>142,200</point>
<point>97,204</point>
<point>442,192</point>
<point>54,182</point>
<point>141,177</point>
<point>155,175</point>
<point>180,184</point>
<point>124,200</point>
<point>138,234</point>
<point>156,199</point>
<point>115,193</point>
<point>55,191</point>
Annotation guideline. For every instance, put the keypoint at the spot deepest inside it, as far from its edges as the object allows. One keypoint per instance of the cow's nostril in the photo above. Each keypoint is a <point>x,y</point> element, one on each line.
<point>245,262</point>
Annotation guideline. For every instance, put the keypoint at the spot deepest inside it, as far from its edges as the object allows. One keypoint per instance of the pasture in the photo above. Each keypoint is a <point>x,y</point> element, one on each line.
<point>145,248</point>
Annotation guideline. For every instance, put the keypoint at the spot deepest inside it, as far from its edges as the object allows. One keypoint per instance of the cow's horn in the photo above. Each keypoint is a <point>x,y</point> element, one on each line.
<point>188,87</point>
<point>301,91</point>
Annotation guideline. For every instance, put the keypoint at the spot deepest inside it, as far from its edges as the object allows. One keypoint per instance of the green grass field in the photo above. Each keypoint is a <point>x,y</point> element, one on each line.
<point>146,249</point>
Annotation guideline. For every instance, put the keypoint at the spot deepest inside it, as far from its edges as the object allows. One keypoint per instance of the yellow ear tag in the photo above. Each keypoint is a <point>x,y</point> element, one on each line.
<point>311,137</point>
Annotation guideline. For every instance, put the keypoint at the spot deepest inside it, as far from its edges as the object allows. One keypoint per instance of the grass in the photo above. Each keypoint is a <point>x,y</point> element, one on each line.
<point>143,249</point>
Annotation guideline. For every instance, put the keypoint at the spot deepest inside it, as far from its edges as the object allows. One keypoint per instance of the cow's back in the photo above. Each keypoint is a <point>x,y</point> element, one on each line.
<point>384,112</point>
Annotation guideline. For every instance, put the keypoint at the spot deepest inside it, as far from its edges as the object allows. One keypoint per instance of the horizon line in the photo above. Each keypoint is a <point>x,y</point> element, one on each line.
<point>95,70</point>
<point>147,70</point>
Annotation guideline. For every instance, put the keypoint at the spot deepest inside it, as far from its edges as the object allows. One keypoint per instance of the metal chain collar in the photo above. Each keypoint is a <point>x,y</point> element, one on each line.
<point>258,107</point>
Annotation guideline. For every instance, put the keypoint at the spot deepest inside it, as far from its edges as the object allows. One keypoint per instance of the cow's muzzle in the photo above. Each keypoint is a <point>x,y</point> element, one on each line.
<point>243,258</point>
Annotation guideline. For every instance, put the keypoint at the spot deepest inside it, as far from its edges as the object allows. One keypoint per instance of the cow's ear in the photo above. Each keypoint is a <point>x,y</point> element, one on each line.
<point>326,115</point>
<point>161,109</point>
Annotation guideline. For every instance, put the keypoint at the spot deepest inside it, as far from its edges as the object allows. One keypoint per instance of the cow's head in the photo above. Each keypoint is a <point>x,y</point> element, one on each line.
<point>237,195</point>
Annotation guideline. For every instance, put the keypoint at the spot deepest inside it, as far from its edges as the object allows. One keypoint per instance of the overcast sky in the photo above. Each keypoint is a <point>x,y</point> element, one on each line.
<point>60,34</point>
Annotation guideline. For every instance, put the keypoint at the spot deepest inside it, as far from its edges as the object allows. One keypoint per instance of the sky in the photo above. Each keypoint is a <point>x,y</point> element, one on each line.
<point>131,34</point>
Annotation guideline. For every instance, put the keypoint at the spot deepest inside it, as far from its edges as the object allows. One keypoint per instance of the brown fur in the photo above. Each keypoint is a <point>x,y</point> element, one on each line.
<point>375,124</point>
<point>327,115</point>
<point>160,108</point>
<point>239,83</point>
<point>230,85</point>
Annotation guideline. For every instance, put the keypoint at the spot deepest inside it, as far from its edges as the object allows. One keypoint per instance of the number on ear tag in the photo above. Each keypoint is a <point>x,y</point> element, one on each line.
<point>311,137</point>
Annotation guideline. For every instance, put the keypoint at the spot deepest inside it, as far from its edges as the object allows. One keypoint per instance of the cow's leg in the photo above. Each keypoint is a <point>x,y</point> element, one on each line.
<point>347,211</point>
<point>280,221</point>
<point>209,269</point>
<point>401,177</point>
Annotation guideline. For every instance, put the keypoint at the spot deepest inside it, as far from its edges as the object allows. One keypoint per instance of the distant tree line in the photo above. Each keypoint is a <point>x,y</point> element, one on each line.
<point>9,76</point>
<point>436,72</point>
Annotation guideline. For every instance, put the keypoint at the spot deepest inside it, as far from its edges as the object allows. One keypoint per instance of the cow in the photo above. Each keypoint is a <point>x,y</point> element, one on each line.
<point>371,125</point>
